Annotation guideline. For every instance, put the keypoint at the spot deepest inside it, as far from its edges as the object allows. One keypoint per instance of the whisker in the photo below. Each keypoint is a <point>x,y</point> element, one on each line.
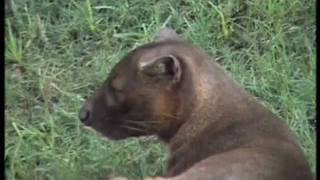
<point>168,115</point>
<point>133,128</point>
<point>160,114</point>
<point>143,123</point>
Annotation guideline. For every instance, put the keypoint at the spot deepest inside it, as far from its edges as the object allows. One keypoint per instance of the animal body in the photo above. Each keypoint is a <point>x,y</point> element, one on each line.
<point>215,130</point>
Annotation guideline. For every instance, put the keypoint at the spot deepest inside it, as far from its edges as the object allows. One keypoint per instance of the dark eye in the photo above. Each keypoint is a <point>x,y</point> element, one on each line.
<point>118,83</point>
<point>111,100</point>
<point>115,101</point>
<point>115,97</point>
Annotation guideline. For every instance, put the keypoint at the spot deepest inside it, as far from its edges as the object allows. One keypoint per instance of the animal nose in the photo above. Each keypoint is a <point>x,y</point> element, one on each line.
<point>84,114</point>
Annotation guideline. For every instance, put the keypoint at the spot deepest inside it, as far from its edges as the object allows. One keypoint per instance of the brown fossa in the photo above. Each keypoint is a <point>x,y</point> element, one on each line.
<point>214,129</point>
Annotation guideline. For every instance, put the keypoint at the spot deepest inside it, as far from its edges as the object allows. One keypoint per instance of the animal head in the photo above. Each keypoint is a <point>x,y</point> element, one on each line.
<point>141,96</point>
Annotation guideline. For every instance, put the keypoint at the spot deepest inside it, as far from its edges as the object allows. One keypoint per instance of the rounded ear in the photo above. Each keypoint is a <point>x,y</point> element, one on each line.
<point>167,34</point>
<point>163,67</point>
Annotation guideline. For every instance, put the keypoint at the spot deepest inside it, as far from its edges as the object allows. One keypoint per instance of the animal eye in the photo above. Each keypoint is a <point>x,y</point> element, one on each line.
<point>118,83</point>
<point>111,100</point>
<point>114,97</point>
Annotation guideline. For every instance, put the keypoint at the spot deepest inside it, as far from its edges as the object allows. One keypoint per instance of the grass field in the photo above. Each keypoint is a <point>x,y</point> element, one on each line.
<point>58,52</point>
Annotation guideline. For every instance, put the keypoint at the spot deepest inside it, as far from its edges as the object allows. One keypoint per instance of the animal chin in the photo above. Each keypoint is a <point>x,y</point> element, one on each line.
<point>115,135</point>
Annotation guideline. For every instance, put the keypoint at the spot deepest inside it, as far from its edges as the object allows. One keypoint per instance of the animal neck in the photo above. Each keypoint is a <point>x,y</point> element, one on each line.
<point>218,101</point>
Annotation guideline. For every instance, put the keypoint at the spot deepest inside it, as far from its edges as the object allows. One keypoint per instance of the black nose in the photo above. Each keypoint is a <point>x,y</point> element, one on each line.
<point>84,114</point>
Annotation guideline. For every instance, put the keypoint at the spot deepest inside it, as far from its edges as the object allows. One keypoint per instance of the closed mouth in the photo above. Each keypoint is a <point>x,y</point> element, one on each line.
<point>86,123</point>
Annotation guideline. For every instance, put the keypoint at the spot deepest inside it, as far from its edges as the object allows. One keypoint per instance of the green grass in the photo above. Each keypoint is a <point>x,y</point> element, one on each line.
<point>59,51</point>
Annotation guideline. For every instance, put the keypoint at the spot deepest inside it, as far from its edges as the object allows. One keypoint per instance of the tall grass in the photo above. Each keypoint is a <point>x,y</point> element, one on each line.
<point>59,51</point>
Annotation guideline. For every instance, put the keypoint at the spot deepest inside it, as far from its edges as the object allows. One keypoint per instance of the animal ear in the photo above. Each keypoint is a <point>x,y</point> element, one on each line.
<point>167,34</point>
<point>163,66</point>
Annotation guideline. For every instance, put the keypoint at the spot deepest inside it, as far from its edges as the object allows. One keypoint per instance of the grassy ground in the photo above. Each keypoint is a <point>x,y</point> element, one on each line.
<point>59,51</point>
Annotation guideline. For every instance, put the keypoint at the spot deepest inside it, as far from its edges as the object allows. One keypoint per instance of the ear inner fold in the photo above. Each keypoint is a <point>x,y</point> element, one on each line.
<point>164,65</point>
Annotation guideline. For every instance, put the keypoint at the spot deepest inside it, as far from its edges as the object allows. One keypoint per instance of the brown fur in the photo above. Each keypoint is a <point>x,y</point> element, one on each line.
<point>213,127</point>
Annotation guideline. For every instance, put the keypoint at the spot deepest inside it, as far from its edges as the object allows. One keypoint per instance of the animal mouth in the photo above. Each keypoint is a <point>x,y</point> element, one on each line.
<point>117,136</point>
<point>87,123</point>
<point>110,134</point>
